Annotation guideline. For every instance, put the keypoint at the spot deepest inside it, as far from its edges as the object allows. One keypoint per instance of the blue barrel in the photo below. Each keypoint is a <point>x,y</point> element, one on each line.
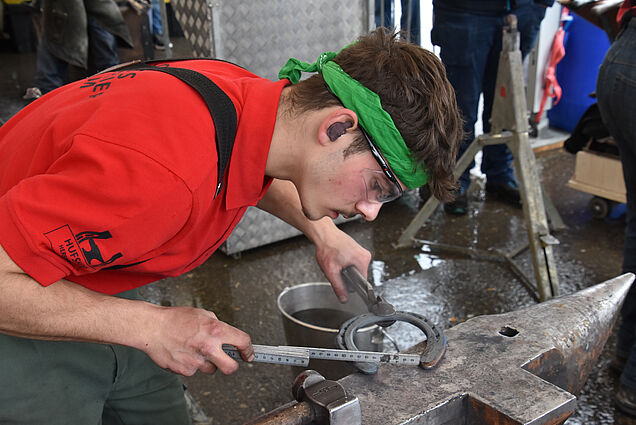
<point>585,47</point>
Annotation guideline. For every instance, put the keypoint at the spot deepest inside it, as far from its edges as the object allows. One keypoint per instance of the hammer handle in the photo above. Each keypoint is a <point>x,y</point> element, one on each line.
<point>294,413</point>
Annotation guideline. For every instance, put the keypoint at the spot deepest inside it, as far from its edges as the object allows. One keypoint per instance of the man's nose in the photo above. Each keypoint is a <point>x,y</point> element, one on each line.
<point>368,210</point>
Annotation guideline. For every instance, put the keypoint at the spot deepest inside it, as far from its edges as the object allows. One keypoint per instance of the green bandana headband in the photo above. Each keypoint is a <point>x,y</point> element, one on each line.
<point>373,118</point>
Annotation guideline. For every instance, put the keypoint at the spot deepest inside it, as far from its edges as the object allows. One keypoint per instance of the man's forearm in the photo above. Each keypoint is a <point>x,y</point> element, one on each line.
<point>66,311</point>
<point>181,339</point>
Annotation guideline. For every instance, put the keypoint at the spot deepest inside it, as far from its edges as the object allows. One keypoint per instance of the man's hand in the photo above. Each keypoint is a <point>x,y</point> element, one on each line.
<point>336,250</point>
<point>188,339</point>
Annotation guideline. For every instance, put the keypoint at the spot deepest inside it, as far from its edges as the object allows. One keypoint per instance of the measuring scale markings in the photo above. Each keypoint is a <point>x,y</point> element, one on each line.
<point>301,355</point>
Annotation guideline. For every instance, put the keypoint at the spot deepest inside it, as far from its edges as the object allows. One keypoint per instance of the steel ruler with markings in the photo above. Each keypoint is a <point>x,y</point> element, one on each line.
<point>300,356</point>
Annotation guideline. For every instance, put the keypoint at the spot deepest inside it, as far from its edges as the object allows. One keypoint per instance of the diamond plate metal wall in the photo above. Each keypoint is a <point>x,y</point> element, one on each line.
<point>262,35</point>
<point>258,228</point>
<point>195,18</point>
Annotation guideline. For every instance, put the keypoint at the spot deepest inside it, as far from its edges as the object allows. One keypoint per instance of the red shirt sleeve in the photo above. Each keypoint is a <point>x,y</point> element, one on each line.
<point>98,205</point>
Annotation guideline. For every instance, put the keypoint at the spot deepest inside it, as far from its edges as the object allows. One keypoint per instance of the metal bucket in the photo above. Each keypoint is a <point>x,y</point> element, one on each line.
<point>312,315</point>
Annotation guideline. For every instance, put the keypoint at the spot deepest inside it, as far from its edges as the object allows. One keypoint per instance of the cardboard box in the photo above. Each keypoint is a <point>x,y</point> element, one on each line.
<point>599,175</point>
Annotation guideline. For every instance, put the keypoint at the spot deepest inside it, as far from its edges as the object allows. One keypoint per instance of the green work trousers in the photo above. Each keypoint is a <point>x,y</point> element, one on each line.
<point>76,383</point>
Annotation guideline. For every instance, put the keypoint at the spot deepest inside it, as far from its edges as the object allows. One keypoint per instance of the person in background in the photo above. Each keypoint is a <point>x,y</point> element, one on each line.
<point>469,34</point>
<point>616,94</point>
<point>409,21</point>
<point>157,27</point>
<point>80,33</point>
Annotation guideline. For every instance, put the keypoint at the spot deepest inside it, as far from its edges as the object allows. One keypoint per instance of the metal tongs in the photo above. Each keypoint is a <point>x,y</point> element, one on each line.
<point>355,282</point>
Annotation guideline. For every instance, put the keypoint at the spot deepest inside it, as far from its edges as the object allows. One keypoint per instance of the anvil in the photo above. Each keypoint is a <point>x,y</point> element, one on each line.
<point>522,367</point>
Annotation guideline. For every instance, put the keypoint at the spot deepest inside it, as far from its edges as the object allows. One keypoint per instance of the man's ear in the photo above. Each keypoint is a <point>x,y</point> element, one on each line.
<point>336,124</point>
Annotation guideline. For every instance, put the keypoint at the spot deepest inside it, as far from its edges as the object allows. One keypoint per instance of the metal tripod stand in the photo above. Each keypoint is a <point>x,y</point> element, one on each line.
<point>509,125</point>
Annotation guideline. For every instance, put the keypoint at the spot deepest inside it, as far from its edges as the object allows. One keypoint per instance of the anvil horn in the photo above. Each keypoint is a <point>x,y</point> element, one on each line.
<point>522,367</point>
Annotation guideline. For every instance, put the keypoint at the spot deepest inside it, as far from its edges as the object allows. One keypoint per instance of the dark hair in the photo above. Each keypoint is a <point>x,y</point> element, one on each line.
<point>413,89</point>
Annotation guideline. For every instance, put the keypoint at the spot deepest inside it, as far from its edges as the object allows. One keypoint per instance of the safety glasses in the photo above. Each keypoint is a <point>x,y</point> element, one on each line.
<point>382,186</point>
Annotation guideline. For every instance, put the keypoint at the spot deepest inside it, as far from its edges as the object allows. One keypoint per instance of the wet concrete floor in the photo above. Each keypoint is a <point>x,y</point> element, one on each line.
<point>448,289</point>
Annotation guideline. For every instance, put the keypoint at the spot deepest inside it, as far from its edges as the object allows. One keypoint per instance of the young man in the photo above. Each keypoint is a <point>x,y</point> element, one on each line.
<point>98,196</point>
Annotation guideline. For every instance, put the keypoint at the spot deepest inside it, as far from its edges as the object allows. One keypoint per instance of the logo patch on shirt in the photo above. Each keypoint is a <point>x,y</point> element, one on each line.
<point>80,249</point>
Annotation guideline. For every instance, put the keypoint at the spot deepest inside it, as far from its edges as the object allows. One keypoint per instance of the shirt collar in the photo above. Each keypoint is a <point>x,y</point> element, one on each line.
<point>246,182</point>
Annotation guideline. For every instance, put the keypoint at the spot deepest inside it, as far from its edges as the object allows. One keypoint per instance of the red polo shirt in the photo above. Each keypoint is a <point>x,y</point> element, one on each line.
<point>109,181</point>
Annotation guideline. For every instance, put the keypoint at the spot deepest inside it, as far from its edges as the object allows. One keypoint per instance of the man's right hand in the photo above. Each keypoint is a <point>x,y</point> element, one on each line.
<point>187,339</point>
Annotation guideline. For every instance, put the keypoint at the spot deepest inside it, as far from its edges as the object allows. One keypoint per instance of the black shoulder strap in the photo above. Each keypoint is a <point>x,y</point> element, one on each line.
<point>221,109</point>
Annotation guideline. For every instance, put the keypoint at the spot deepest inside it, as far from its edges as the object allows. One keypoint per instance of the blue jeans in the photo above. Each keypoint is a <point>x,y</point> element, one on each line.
<point>414,22</point>
<point>616,94</point>
<point>155,16</point>
<point>52,72</point>
<point>470,47</point>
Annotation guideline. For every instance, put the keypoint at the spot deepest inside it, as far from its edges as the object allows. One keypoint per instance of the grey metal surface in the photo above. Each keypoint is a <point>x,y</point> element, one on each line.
<point>258,228</point>
<point>522,367</point>
<point>195,18</point>
<point>262,35</point>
